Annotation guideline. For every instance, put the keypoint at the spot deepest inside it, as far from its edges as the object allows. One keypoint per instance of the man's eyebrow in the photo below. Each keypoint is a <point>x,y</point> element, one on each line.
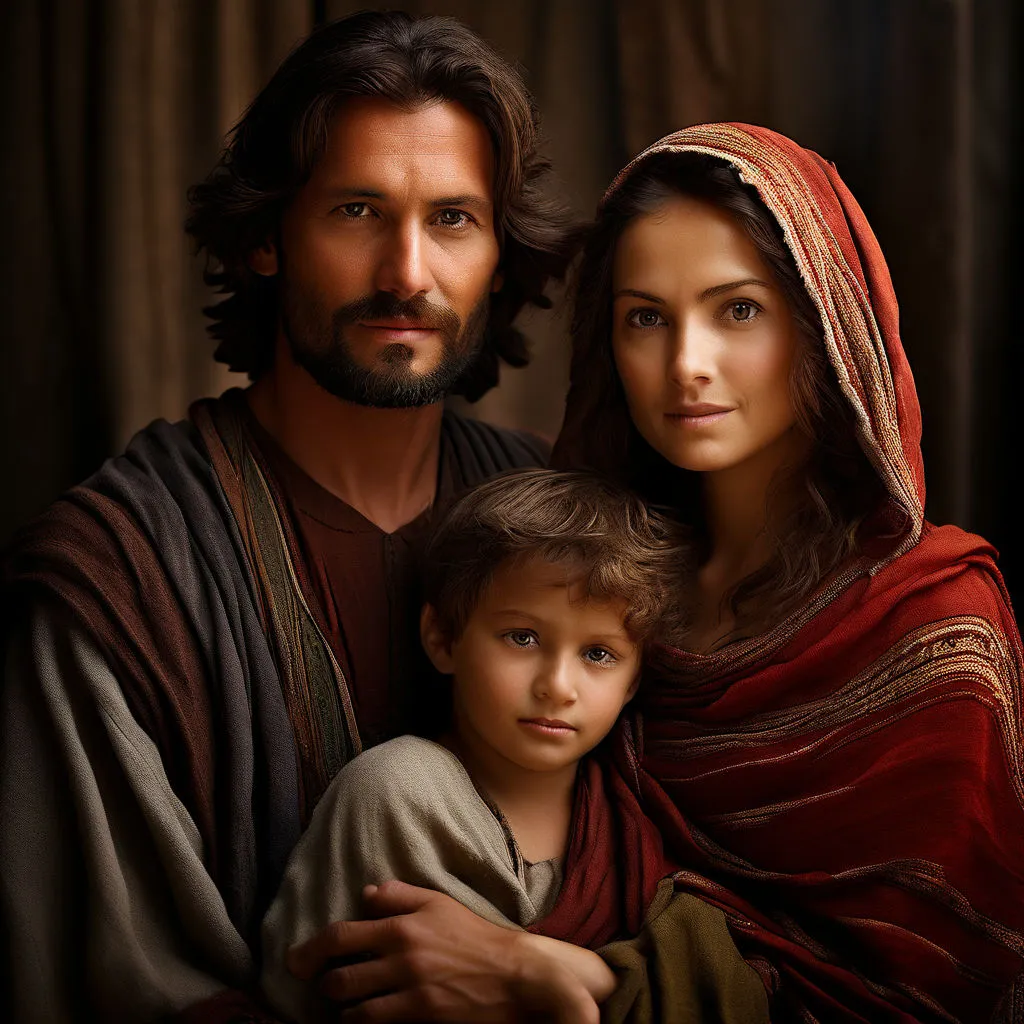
<point>718,289</point>
<point>355,193</point>
<point>468,199</point>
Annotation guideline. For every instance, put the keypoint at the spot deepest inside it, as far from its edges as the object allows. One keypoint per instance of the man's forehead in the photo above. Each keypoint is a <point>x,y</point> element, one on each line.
<point>369,128</point>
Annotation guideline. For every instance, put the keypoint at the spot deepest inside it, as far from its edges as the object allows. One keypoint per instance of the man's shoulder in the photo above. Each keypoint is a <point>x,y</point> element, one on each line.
<point>495,449</point>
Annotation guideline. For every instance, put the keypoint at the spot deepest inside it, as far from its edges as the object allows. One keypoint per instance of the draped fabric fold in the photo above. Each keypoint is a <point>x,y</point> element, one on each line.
<point>613,864</point>
<point>672,953</point>
<point>149,558</point>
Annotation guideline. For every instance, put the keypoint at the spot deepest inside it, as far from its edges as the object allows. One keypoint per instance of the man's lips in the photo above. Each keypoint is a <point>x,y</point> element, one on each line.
<point>397,325</point>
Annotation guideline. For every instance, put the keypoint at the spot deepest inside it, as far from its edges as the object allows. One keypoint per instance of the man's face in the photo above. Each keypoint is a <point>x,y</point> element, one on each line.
<point>388,254</point>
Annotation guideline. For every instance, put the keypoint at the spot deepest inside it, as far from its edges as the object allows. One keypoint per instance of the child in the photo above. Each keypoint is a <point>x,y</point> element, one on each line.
<point>542,591</point>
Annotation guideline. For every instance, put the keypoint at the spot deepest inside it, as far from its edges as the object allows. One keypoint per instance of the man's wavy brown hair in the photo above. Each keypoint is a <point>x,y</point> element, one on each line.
<point>840,490</point>
<point>274,147</point>
<point>610,542</point>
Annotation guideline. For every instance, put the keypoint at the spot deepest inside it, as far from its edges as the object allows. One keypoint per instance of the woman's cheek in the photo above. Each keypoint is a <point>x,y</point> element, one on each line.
<point>637,377</point>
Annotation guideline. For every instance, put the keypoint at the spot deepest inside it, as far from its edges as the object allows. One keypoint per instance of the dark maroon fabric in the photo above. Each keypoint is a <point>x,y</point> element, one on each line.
<point>614,861</point>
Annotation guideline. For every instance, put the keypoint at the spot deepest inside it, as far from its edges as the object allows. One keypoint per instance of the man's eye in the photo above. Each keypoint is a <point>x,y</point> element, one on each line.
<point>354,210</point>
<point>453,218</point>
<point>644,318</point>
<point>519,638</point>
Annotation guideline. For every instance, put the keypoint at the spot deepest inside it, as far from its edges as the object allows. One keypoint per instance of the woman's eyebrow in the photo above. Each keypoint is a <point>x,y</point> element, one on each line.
<point>710,293</point>
<point>638,295</point>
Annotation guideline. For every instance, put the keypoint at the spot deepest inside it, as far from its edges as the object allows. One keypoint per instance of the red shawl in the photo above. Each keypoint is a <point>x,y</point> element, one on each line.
<point>614,862</point>
<point>848,788</point>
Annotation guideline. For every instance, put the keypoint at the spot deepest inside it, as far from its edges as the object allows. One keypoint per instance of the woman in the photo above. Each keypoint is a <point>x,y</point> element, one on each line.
<point>838,728</point>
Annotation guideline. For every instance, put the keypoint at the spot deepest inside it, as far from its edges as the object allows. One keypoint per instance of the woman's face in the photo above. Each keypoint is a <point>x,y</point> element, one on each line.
<point>703,339</point>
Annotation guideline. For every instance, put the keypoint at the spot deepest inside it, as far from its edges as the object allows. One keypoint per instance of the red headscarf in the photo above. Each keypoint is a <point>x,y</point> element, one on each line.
<point>848,787</point>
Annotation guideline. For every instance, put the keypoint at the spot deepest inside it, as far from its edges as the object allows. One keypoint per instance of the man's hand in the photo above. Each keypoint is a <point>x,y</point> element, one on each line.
<point>434,960</point>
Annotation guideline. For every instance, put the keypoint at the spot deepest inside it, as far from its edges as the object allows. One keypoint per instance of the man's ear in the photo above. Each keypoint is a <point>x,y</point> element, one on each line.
<point>436,641</point>
<point>263,261</point>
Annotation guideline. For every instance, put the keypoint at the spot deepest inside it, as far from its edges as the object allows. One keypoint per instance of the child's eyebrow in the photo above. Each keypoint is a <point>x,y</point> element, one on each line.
<point>617,637</point>
<point>498,613</point>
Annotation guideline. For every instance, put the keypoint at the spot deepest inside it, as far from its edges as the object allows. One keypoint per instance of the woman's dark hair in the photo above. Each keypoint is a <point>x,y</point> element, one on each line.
<point>607,538</point>
<point>841,488</point>
<point>274,147</point>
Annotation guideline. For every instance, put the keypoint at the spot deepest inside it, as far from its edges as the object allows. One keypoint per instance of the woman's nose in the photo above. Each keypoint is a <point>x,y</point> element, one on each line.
<point>692,354</point>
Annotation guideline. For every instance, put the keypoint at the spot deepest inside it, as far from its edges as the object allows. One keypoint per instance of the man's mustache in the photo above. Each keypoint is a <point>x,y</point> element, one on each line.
<point>385,306</point>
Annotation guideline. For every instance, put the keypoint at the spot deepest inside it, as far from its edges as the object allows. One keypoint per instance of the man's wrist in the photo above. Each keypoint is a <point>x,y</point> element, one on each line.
<point>542,983</point>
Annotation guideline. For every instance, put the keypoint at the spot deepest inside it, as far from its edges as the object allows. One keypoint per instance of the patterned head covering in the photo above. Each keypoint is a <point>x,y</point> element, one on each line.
<point>843,269</point>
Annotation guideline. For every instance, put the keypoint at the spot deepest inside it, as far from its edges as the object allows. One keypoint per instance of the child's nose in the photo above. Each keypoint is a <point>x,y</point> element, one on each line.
<point>556,681</point>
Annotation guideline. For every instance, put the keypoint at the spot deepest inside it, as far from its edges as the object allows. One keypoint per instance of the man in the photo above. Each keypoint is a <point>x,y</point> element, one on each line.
<point>204,632</point>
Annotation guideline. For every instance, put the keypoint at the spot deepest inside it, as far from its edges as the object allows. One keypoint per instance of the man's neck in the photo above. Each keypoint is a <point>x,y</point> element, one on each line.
<point>382,462</point>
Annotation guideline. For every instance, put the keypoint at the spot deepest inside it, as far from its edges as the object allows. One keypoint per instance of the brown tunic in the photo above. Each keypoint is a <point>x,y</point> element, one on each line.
<point>366,590</point>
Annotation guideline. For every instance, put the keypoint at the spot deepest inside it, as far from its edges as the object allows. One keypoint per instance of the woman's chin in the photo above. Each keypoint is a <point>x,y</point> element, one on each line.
<point>694,461</point>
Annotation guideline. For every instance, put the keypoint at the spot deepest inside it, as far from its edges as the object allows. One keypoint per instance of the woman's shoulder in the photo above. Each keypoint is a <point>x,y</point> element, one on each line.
<point>951,571</point>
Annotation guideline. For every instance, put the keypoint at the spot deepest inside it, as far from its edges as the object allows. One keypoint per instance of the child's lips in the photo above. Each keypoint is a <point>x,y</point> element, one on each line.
<point>549,726</point>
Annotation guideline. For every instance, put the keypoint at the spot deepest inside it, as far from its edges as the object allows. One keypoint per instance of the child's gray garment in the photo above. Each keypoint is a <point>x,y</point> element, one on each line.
<point>405,809</point>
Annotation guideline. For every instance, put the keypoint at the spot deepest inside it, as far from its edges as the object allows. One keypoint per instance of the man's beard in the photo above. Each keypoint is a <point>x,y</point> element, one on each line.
<point>318,344</point>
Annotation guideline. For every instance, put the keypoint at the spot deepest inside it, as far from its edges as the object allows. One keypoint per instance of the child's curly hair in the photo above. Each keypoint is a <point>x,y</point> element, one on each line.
<point>612,544</point>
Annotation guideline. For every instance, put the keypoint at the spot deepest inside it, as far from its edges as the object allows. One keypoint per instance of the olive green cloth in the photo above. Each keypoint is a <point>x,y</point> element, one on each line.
<point>683,968</point>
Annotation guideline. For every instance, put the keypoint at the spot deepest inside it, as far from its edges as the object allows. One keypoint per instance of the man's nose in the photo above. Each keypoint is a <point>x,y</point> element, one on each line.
<point>692,353</point>
<point>556,680</point>
<point>404,269</point>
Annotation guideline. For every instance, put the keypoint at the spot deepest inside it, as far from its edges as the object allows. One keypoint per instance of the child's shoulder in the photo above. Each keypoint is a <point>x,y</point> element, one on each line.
<point>401,758</point>
<point>406,771</point>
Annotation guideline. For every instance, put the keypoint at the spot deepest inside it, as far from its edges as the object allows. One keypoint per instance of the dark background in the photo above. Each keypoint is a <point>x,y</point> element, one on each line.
<point>109,109</point>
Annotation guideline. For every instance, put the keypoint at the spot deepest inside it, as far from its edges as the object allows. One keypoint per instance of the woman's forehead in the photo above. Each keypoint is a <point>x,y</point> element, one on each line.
<point>685,235</point>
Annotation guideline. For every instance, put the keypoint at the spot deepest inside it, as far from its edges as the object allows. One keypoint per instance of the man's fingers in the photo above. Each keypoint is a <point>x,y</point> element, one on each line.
<point>362,980</point>
<point>340,939</point>
<point>395,1008</point>
<point>395,897</point>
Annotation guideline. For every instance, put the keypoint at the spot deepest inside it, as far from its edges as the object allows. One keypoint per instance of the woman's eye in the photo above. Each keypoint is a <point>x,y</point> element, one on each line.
<point>743,312</point>
<point>519,638</point>
<point>645,318</point>
<point>599,656</point>
<point>453,219</point>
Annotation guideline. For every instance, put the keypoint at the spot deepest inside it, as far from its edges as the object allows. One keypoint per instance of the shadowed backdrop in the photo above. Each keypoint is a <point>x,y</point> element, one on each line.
<point>110,109</point>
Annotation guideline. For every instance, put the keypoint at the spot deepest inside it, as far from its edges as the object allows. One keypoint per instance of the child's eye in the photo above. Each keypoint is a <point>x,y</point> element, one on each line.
<point>520,637</point>
<point>599,656</point>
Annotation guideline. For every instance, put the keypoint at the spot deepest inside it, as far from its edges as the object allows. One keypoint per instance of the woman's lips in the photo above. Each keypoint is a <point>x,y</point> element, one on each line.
<point>700,415</point>
<point>548,726</point>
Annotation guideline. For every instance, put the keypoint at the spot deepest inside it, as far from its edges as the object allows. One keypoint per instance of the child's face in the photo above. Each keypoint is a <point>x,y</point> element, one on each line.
<point>540,675</point>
